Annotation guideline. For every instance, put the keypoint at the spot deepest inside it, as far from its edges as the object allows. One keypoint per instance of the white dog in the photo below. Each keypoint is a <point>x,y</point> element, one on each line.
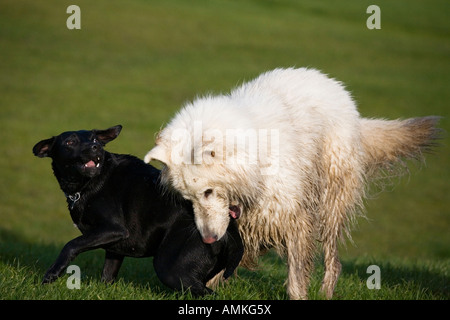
<point>288,154</point>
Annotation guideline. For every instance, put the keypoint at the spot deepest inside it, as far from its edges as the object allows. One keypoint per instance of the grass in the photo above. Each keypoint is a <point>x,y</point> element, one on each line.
<point>136,62</point>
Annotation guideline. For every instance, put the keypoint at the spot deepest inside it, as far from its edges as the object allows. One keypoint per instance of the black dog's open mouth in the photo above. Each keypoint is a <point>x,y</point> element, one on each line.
<point>91,167</point>
<point>92,163</point>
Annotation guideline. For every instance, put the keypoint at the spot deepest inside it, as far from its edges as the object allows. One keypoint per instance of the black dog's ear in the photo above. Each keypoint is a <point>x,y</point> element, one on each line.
<point>42,148</point>
<point>108,135</point>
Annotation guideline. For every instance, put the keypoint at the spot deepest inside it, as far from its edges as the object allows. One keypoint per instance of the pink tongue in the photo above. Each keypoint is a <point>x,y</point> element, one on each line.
<point>90,164</point>
<point>235,212</point>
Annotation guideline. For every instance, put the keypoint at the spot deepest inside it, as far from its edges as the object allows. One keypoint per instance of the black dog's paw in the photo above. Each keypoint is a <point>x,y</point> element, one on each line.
<point>201,291</point>
<point>51,275</point>
<point>49,279</point>
<point>106,279</point>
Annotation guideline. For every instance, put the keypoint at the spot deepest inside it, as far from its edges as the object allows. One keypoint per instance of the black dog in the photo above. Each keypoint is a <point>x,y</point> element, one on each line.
<point>116,202</point>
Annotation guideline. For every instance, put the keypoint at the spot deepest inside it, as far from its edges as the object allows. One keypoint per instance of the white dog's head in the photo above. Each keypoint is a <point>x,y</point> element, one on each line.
<point>212,158</point>
<point>205,186</point>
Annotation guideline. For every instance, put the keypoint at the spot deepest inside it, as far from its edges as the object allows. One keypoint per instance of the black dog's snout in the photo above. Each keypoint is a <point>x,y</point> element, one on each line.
<point>91,149</point>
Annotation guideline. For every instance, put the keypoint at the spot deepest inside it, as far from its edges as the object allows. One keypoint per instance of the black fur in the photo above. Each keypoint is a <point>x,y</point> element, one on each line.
<point>116,203</point>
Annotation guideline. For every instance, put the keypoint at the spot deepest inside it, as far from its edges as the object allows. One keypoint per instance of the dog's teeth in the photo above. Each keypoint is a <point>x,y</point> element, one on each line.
<point>98,164</point>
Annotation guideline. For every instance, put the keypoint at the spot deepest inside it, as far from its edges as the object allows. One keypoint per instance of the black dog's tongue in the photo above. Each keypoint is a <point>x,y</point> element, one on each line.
<point>89,164</point>
<point>235,212</point>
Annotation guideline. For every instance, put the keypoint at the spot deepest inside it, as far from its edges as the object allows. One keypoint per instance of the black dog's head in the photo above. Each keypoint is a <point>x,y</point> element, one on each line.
<point>77,152</point>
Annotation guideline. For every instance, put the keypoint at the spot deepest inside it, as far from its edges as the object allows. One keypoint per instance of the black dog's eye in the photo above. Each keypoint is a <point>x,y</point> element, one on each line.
<point>208,192</point>
<point>69,142</point>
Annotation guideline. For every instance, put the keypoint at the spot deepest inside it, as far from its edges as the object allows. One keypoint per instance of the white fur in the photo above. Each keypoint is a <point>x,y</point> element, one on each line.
<point>298,175</point>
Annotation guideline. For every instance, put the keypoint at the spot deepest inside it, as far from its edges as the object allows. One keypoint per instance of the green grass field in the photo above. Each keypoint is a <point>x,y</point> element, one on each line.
<point>136,62</point>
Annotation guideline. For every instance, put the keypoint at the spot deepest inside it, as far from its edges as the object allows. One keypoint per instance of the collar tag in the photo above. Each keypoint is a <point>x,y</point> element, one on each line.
<point>73,199</point>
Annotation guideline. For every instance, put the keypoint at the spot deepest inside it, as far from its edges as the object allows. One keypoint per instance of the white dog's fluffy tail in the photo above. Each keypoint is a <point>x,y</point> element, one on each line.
<point>389,142</point>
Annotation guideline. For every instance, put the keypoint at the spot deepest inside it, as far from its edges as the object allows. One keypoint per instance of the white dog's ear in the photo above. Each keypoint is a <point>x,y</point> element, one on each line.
<point>158,153</point>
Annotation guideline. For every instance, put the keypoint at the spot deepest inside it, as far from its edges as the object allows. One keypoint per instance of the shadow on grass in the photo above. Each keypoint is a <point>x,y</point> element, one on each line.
<point>16,251</point>
<point>401,278</point>
<point>270,276</point>
<point>432,277</point>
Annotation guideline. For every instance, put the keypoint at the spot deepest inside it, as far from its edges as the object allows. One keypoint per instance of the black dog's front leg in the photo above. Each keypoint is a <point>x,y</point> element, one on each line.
<point>90,241</point>
<point>113,262</point>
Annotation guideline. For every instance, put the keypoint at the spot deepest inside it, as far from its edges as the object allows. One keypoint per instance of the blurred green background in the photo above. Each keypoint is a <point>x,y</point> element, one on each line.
<point>136,62</point>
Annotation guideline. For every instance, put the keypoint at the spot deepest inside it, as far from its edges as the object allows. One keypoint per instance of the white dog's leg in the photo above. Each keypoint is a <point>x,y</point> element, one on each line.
<point>342,198</point>
<point>215,281</point>
<point>300,250</point>
<point>332,268</point>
